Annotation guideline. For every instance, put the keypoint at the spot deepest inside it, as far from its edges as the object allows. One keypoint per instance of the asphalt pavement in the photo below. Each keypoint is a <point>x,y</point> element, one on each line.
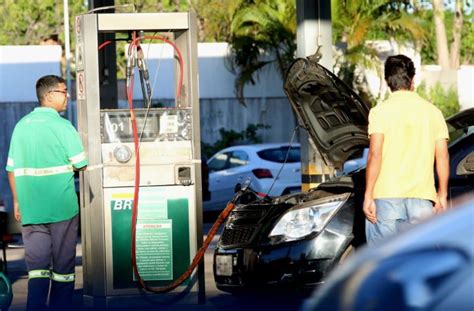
<point>215,299</point>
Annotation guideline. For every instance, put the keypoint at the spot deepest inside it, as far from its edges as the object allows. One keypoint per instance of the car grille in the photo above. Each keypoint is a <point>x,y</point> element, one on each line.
<point>237,236</point>
<point>242,225</point>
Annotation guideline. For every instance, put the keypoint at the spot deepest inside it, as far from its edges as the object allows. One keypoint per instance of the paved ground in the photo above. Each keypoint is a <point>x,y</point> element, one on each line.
<point>215,299</point>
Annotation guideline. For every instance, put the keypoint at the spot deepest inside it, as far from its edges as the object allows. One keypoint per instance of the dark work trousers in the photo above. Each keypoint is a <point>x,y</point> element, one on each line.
<point>50,252</point>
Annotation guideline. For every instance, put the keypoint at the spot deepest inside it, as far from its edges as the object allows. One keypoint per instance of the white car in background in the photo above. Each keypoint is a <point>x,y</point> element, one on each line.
<point>255,165</point>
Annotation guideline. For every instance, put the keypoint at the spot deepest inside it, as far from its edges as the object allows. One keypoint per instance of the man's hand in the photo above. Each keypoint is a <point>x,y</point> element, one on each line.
<point>16,208</point>
<point>441,204</point>
<point>369,210</point>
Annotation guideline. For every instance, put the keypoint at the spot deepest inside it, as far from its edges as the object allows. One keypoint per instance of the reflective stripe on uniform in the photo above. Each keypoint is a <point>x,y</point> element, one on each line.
<point>78,158</point>
<point>39,274</point>
<point>63,277</point>
<point>54,170</point>
<point>10,162</point>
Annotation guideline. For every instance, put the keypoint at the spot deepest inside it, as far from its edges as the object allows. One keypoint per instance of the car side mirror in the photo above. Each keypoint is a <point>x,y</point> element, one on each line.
<point>466,165</point>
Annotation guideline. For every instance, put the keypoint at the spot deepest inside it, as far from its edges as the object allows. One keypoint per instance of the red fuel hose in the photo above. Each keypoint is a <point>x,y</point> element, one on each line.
<point>103,45</point>
<point>137,171</point>
<point>222,216</point>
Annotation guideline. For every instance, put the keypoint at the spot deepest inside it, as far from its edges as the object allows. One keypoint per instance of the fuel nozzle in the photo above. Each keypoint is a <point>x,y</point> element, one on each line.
<point>131,63</point>
<point>144,72</point>
<point>128,70</point>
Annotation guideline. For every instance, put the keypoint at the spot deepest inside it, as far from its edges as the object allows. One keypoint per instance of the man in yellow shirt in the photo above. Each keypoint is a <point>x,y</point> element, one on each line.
<point>408,136</point>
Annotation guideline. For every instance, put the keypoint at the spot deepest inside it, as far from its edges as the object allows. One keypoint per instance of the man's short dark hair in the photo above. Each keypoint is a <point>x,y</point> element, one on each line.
<point>399,72</point>
<point>46,84</point>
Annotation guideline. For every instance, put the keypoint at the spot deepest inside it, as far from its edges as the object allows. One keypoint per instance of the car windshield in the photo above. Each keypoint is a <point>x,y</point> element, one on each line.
<point>278,155</point>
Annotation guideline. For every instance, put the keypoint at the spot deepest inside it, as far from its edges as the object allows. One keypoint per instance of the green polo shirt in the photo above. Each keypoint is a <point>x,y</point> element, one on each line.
<point>43,151</point>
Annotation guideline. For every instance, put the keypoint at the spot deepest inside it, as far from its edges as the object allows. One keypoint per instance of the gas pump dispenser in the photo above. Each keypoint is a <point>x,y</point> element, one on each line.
<point>141,204</point>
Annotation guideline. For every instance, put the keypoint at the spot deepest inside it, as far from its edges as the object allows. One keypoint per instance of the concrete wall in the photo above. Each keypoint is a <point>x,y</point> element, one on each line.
<point>215,80</point>
<point>466,86</point>
<point>462,80</point>
<point>20,68</point>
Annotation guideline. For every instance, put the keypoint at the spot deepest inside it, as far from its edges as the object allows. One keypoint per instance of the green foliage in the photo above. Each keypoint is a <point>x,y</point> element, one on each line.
<point>467,40</point>
<point>356,22</point>
<point>445,100</point>
<point>231,138</point>
<point>30,22</point>
<point>428,45</point>
<point>214,18</point>
<point>26,22</point>
<point>149,6</point>
<point>263,32</point>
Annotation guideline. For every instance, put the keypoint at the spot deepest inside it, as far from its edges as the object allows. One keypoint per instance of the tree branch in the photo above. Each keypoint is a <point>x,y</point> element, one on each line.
<point>441,38</point>
<point>457,30</point>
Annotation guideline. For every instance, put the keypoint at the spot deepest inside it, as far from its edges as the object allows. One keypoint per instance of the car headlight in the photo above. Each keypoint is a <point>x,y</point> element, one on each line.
<point>307,218</point>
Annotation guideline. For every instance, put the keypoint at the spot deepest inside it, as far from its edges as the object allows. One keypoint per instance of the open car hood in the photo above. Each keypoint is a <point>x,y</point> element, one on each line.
<point>462,119</point>
<point>334,116</point>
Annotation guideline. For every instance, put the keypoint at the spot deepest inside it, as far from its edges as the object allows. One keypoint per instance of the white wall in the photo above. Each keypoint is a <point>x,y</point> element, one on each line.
<point>466,86</point>
<point>215,80</point>
<point>22,66</point>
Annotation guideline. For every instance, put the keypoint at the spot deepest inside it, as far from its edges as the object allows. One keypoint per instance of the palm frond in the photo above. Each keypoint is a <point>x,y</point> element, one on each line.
<point>263,32</point>
<point>246,76</point>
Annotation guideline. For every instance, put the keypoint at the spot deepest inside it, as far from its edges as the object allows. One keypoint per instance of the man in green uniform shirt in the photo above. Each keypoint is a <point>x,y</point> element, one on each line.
<point>45,150</point>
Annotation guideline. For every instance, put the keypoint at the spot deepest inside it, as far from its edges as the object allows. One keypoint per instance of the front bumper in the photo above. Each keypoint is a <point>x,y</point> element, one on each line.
<point>298,265</point>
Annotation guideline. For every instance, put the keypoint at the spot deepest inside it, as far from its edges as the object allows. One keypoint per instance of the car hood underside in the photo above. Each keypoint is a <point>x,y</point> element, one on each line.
<point>334,116</point>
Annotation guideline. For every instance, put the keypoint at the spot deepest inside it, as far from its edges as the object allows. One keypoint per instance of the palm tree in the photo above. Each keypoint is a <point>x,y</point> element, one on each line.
<point>448,59</point>
<point>357,21</point>
<point>263,32</point>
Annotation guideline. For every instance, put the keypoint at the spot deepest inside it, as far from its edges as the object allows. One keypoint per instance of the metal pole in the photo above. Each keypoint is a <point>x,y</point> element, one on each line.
<point>314,31</point>
<point>67,52</point>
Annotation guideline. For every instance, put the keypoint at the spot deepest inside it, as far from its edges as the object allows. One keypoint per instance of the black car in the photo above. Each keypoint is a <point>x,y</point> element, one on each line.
<point>295,240</point>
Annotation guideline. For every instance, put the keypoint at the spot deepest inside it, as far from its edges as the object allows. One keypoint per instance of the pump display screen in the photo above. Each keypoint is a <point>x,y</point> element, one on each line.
<point>156,125</point>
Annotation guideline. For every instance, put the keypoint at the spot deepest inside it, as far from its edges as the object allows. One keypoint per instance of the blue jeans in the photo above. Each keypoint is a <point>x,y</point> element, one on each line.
<point>395,214</point>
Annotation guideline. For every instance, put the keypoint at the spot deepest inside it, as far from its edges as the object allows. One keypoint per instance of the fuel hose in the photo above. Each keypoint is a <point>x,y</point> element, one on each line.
<point>135,44</point>
<point>199,255</point>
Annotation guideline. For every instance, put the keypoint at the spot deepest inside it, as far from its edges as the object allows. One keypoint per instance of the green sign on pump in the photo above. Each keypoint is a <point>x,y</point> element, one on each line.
<point>154,249</point>
<point>162,235</point>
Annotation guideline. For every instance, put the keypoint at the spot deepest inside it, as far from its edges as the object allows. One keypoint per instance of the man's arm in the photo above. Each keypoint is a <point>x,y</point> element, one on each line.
<point>442,170</point>
<point>16,206</point>
<point>374,162</point>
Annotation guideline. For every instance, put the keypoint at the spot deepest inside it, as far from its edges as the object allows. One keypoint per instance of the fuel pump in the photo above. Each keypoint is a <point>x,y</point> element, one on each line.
<point>141,204</point>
